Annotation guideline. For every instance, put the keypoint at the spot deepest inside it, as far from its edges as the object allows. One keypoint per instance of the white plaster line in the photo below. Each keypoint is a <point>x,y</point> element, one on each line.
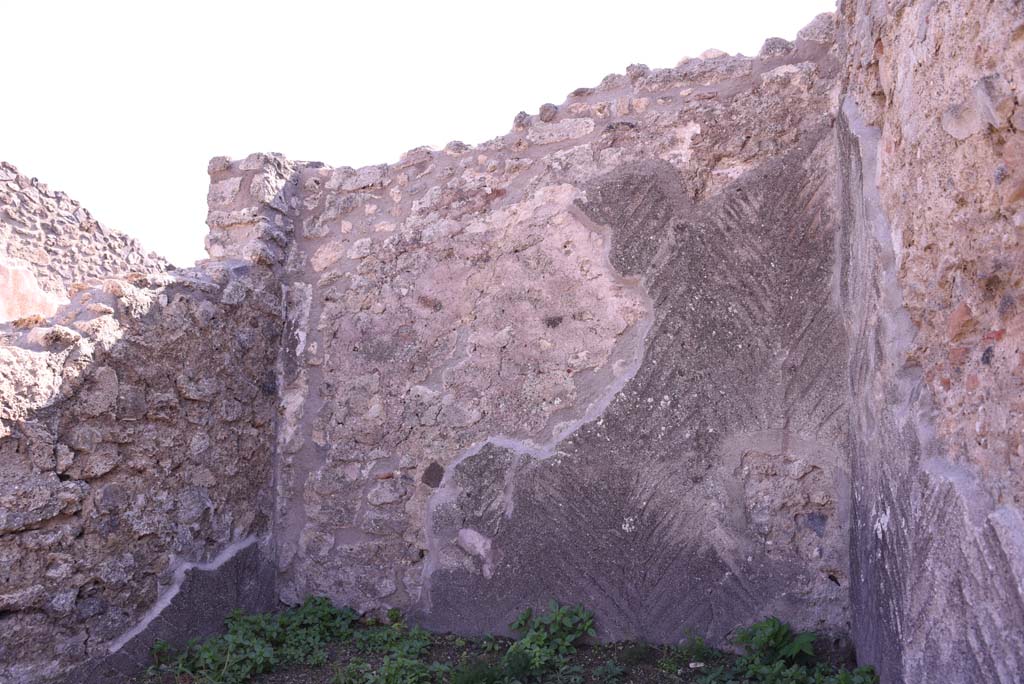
<point>630,348</point>
<point>226,554</point>
<point>446,491</point>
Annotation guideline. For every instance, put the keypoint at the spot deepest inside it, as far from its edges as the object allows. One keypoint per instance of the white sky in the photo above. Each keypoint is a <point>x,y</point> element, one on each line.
<point>121,104</point>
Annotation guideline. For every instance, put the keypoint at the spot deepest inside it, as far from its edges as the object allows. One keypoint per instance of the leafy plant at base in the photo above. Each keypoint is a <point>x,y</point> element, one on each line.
<point>774,654</point>
<point>392,639</point>
<point>255,644</point>
<point>772,640</point>
<point>355,672</point>
<point>610,672</point>
<point>695,649</point>
<point>489,644</point>
<point>478,672</point>
<point>566,674</point>
<point>547,641</point>
<point>394,669</point>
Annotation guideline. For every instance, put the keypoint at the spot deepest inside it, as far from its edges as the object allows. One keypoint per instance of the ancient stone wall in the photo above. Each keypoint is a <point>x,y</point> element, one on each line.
<point>49,242</point>
<point>595,359</point>
<point>137,431</point>
<point>933,211</point>
<point>698,345</point>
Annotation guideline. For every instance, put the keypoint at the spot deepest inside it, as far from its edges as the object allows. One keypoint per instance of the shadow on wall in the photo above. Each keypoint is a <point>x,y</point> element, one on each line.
<point>137,431</point>
<point>936,562</point>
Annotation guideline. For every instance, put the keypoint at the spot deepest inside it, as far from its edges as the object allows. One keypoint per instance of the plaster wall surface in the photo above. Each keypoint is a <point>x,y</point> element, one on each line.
<point>595,359</point>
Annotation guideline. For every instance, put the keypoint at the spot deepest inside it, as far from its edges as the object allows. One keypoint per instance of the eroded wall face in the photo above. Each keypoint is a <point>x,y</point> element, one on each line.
<point>597,359</point>
<point>136,436</point>
<point>932,215</point>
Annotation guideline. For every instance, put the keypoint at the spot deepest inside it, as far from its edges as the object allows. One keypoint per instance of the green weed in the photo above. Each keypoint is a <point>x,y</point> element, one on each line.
<point>546,642</point>
<point>775,654</point>
<point>255,644</point>
<point>392,653</point>
<point>609,673</point>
